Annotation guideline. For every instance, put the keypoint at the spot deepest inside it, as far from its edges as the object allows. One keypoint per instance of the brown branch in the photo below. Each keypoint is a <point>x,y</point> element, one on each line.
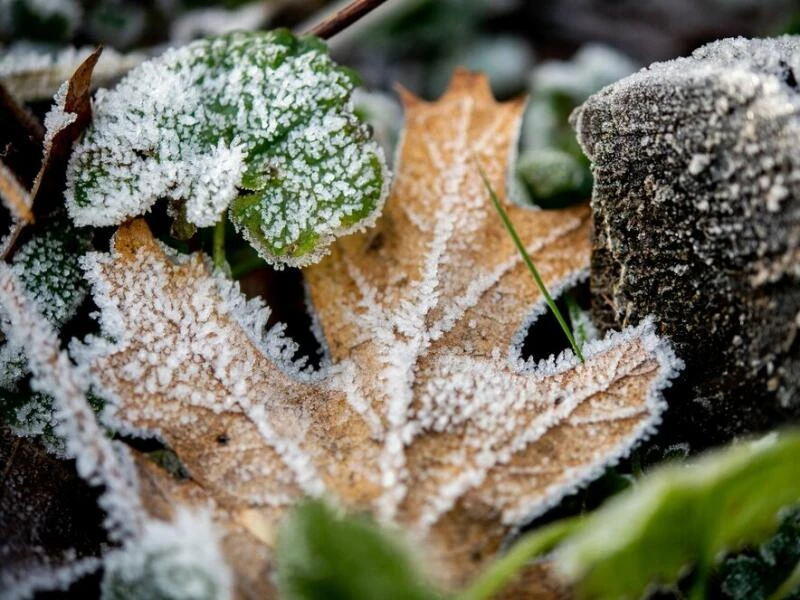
<point>344,18</point>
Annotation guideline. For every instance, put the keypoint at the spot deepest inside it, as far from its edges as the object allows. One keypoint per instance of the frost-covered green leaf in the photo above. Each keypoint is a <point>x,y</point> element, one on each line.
<point>322,555</point>
<point>682,515</point>
<point>47,265</point>
<point>259,122</point>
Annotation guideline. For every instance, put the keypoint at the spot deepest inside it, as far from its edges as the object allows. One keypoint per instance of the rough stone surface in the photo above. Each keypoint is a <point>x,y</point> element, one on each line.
<point>696,210</point>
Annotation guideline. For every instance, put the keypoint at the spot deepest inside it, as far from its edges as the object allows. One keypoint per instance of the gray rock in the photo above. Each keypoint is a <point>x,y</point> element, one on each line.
<point>696,210</point>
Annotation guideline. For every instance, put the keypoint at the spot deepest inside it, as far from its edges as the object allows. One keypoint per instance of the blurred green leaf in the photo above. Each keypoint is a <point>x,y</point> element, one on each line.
<point>322,555</point>
<point>684,515</point>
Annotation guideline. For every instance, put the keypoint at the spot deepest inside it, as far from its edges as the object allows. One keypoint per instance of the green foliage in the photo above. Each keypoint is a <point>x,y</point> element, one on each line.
<point>322,556</point>
<point>757,575</point>
<point>682,515</point>
<point>554,177</point>
<point>48,267</point>
<point>261,123</point>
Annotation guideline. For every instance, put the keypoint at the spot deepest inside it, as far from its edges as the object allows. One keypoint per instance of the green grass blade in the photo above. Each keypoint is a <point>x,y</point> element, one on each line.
<point>531,267</point>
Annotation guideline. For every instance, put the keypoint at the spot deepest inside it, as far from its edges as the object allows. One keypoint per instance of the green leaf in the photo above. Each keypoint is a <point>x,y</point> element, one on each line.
<point>48,266</point>
<point>324,556</point>
<point>261,123</point>
<point>683,515</point>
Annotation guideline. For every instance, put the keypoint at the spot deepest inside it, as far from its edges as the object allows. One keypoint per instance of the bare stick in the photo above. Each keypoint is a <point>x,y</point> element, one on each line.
<point>344,18</point>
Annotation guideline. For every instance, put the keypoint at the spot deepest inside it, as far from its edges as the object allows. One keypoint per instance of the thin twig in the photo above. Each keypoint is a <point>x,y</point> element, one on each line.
<point>344,18</point>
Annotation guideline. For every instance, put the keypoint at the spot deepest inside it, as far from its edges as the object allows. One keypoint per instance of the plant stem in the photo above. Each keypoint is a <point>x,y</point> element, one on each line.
<point>493,579</point>
<point>245,266</point>
<point>218,248</point>
<point>789,585</point>
<point>636,464</point>
<point>342,19</point>
<point>531,267</point>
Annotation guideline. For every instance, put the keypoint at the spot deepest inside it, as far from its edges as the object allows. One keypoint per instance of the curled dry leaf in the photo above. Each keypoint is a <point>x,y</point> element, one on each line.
<point>426,416</point>
<point>69,116</point>
<point>63,124</point>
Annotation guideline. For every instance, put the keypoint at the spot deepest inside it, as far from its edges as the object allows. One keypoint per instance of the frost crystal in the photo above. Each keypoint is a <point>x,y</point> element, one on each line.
<point>179,560</point>
<point>262,123</point>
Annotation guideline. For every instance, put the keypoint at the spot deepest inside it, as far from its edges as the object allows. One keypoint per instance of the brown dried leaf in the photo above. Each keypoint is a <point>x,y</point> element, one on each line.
<point>426,417</point>
<point>17,201</point>
<point>14,196</point>
<point>64,123</point>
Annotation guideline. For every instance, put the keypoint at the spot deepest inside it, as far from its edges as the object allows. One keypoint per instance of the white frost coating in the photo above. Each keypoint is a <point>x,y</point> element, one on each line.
<point>53,373</point>
<point>669,367</point>
<point>181,336</point>
<point>26,585</point>
<point>423,404</point>
<point>29,73</point>
<point>219,172</point>
<point>177,560</point>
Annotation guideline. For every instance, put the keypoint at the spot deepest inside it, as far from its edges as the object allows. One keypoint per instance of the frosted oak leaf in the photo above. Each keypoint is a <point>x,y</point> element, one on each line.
<point>426,416</point>
<point>260,124</point>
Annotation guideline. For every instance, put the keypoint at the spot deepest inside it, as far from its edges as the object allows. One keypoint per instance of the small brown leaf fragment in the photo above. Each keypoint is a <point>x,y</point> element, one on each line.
<point>427,417</point>
<point>18,202</point>
<point>15,197</point>
<point>65,122</point>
